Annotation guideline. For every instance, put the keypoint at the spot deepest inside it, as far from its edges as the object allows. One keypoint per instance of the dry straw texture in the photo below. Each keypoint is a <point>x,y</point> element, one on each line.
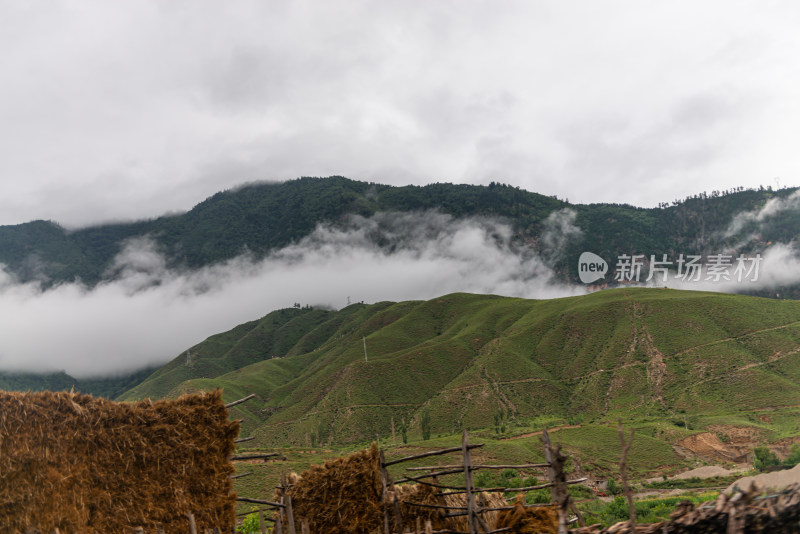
<point>81,464</point>
<point>536,520</point>
<point>344,496</point>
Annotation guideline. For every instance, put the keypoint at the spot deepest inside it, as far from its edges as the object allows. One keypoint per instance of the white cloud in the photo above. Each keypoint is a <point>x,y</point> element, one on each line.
<point>753,220</point>
<point>148,314</point>
<point>559,230</point>
<point>776,266</point>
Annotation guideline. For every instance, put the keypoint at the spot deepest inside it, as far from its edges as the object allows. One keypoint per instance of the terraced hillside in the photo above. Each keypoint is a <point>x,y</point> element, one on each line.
<point>479,361</point>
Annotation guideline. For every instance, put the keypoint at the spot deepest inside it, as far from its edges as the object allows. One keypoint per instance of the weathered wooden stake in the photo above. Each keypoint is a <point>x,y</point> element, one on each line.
<point>287,501</point>
<point>192,524</point>
<point>555,474</point>
<point>581,522</point>
<point>234,403</point>
<point>261,523</point>
<point>430,453</point>
<point>471,507</point>
<point>385,493</point>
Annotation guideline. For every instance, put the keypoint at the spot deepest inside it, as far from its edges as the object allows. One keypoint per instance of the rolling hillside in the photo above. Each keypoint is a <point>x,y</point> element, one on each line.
<point>480,361</point>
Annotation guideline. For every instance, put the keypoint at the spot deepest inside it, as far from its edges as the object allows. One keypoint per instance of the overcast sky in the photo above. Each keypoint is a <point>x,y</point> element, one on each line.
<point>132,109</point>
<point>120,110</point>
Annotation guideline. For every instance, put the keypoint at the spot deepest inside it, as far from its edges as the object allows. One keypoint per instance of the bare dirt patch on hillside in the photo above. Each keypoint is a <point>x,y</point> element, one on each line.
<point>708,445</point>
<point>739,436</point>
<point>783,447</point>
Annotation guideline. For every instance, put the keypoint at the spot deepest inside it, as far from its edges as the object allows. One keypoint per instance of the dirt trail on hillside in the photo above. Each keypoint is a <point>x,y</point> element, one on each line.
<point>656,368</point>
<point>539,433</point>
<point>495,384</point>
<point>689,349</point>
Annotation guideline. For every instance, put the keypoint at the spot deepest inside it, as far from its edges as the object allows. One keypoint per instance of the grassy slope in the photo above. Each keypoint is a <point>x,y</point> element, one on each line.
<point>648,356</point>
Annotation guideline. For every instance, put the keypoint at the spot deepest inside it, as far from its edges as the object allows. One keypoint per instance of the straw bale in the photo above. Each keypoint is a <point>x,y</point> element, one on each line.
<point>483,499</point>
<point>422,494</point>
<point>345,496</point>
<point>84,464</point>
<point>521,520</point>
<point>342,496</point>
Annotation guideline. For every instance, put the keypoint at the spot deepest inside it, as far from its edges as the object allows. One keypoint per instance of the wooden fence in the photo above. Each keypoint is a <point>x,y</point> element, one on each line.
<point>393,520</point>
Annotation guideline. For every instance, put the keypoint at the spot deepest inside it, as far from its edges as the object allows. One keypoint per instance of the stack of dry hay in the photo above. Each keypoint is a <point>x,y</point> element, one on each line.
<point>345,496</point>
<point>81,464</point>
<point>521,520</point>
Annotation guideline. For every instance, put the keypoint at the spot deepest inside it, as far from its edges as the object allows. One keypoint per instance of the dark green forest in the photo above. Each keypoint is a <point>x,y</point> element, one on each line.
<point>109,387</point>
<point>262,217</point>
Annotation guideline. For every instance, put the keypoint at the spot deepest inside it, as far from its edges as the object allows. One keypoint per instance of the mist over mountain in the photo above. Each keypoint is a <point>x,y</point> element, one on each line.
<point>119,297</point>
<point>261,218</point>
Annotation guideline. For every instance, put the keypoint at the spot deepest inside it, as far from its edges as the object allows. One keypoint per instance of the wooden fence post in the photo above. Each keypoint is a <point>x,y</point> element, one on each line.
<point>555,474</point>
<point>192,524</point>
<point>471,515</point>
<point>385,492</point>
<point>398,515</point>
<point>290,516</point>
<point>287,500</point>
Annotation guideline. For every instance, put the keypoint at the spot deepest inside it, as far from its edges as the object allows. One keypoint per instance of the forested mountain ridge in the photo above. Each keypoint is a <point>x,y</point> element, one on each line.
<point>260,218</point>
<point>108,387</point>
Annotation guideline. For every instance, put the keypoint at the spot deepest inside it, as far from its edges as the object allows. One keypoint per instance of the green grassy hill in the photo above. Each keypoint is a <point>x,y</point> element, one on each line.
<point>653,356</point>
